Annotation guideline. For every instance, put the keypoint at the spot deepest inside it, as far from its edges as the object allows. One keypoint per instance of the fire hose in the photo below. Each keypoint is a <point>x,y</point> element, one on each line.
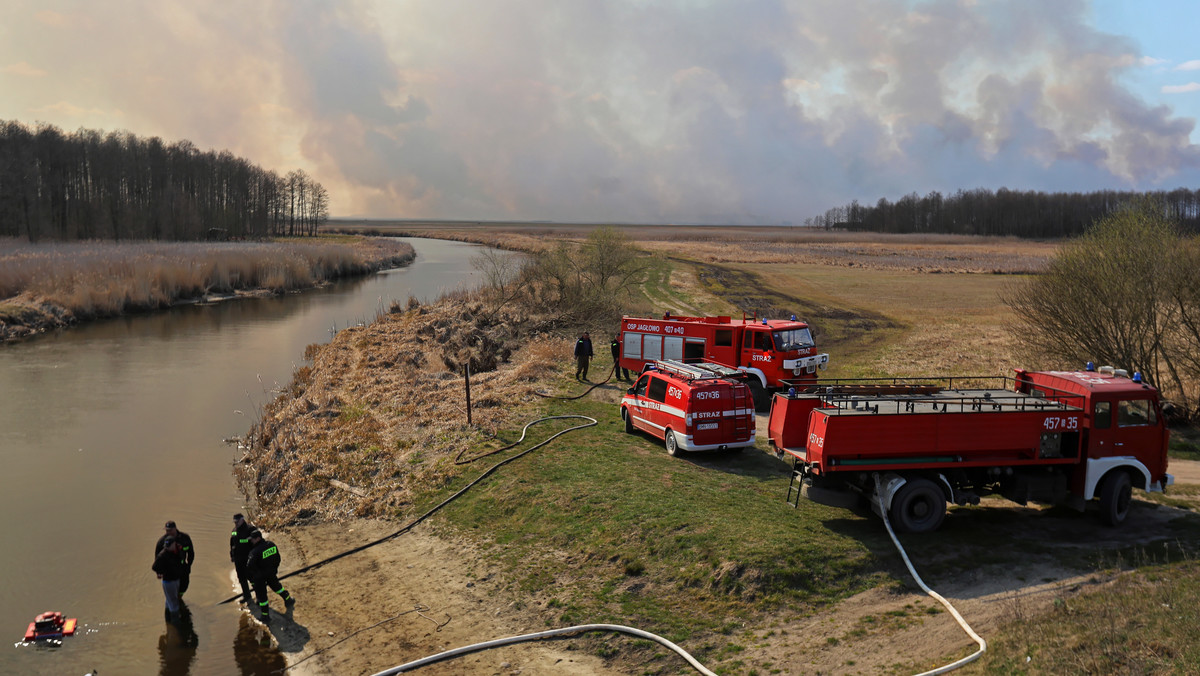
<point>412,524</point>
<point>883,510</point>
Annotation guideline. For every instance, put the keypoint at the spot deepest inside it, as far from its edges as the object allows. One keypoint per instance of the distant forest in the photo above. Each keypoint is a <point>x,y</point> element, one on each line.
<point>1004,212</point>
<point>90,185</point>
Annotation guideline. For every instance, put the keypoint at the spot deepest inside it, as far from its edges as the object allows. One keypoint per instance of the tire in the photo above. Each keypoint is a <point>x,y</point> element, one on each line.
<point>629,429</point>
<point>918,507</point>
<point>1116,494</point>
<point>671,444</point>
<point>760,396</point>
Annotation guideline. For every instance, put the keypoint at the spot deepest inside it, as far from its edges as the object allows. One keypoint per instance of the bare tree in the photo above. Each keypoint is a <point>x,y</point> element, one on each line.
<point>1119,295</point>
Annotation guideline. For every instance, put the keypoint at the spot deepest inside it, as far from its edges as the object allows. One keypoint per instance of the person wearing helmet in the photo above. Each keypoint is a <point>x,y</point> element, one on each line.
<point>262,564</point>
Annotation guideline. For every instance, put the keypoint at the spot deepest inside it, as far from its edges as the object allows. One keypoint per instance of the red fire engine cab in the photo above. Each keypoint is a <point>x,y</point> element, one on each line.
<point>691,407</point>
<point>912,445</point>
<point>771,351</point>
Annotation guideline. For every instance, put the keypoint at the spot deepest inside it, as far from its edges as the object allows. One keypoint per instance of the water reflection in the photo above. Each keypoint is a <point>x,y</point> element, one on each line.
<point>178,645</point>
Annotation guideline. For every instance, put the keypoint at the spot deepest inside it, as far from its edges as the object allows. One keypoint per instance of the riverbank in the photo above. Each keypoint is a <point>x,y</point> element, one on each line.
<point>49,286</point>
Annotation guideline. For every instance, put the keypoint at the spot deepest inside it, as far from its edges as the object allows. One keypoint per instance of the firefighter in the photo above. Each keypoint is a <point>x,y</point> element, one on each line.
<point>583,355</point>
<point>618,372</point>
<point>239,551</point>
<point>262,564</point>
<point>187,553</point>
<point>169,566</point>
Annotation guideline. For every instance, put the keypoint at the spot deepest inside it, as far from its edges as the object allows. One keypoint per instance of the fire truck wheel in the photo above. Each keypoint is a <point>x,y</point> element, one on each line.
<point>628,421</point>
<point>918,507</point>
<point>672,445</point>
<point>1115,496</point>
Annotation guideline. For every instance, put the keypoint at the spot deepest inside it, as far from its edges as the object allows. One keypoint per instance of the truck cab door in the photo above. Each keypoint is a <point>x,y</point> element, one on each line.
<point>1138,431</point>
<point>758,350</point>
<point>639,398</point>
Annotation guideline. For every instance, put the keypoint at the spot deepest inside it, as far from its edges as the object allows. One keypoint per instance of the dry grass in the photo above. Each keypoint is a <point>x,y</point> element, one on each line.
<point>57,283</point>
<point>383,408</point>
<point>733,244</point>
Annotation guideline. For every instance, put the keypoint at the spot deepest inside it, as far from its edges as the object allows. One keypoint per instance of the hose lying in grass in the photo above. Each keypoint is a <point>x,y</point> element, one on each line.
<point>585,392</point>
<point>936,596</point>
<point>441,504</point>
<point>541,636</point>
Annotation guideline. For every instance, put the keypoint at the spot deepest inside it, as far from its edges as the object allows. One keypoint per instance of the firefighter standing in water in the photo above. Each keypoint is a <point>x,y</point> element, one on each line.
<point>583,354</point>
<point>187,553</point>
<point>262,563</point>
<point>239,551</point>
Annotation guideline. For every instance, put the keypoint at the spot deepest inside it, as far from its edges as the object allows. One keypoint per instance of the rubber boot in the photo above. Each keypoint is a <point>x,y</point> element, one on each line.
<point>264,613</point>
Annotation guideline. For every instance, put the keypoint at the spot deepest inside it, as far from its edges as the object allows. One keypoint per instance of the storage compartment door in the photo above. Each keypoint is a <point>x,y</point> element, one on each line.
<point>673,347</point>
<point>652,348</point>
<point>633,346</point>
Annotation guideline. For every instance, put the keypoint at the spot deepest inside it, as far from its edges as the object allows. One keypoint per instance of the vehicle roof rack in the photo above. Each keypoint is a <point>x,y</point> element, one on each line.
<point>697,370</point>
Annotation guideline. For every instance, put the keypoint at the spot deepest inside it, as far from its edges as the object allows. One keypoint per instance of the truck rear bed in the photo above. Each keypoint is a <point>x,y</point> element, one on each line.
<point>869,426</point>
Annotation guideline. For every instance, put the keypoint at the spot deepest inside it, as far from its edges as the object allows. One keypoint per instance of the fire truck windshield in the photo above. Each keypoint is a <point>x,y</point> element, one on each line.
<point>793,339</point>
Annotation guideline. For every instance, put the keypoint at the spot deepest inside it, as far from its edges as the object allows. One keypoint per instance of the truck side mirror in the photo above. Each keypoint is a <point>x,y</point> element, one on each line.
<point>629,391</point>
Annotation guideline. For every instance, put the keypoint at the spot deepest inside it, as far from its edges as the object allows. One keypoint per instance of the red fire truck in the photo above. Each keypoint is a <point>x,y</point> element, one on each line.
<point>770,350</point>
<point>691,407</point>
<point>911,445</point>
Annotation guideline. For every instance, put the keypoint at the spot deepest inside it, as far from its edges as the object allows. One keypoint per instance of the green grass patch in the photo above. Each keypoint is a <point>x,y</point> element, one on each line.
<point>1143,623</point>
<point>609,528</point>
<point>1185,443</point>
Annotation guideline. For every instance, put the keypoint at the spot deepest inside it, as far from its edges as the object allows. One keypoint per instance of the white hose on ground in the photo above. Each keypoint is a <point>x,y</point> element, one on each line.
<point>541,635</point>
<point>912,571</point>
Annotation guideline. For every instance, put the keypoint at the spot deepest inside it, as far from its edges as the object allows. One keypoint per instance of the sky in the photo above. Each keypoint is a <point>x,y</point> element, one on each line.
<point>631,111</point>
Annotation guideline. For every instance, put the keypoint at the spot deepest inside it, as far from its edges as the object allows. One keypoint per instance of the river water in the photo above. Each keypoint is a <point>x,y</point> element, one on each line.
<point>110,429</point>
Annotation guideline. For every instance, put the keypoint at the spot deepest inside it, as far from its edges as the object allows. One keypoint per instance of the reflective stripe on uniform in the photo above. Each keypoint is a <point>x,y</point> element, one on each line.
<point>269,552</point>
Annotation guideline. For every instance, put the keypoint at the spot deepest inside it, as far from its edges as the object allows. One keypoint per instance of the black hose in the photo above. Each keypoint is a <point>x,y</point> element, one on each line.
<point>441,504</point>
<point>585,392</point>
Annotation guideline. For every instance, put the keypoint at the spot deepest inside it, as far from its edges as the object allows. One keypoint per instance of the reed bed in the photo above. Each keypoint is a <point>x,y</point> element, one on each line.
<point>81,280</point>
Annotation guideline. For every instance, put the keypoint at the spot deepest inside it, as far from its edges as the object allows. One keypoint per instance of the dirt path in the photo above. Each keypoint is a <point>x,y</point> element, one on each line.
<point>461,603</point>
<point>1185,471</point>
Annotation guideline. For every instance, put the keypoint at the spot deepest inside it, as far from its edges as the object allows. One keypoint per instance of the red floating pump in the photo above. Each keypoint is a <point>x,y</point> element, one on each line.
<point>50,625</point>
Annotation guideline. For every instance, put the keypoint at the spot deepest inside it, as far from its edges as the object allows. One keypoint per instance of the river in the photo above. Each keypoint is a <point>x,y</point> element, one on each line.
<point>108,430</point>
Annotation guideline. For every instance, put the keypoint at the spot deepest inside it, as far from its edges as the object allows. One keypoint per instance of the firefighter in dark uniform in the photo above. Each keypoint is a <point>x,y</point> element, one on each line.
<point>239,551</point>
<point>187,553</point>
<point>262,563</point>
<point>583,355</point>
<point>618,372</point>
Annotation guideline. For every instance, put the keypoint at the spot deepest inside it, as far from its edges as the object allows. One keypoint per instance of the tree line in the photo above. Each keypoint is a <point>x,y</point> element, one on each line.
<point>91,185</point>
<point>1031,214</point>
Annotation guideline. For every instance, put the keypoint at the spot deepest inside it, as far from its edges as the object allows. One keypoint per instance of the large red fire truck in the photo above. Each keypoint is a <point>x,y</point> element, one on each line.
<point>772,351</point>
<point>911,445</point>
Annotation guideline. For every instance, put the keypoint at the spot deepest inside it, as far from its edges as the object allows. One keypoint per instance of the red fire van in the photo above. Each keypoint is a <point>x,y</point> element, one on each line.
<point>692,407</point>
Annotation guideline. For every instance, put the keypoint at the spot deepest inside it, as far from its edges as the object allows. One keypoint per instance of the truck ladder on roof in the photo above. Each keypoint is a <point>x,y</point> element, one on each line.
<point>697,370</point>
